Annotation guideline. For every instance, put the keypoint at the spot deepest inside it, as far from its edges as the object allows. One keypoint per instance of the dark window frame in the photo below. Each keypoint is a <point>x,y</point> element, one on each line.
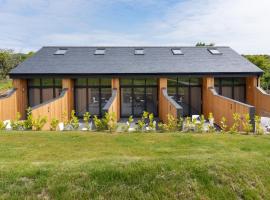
<point>132,86</point>
<point>87,87</point>
<point>41,87</point>
<point>234,84</point>
<point>178,84</point>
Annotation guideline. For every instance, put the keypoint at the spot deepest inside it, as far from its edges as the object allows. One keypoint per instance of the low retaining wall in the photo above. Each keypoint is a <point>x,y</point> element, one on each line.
<point>222,106</point>
<point>262,102</point>
<point>54,108</point>
<point>169,107</point>
<point>8,105</point>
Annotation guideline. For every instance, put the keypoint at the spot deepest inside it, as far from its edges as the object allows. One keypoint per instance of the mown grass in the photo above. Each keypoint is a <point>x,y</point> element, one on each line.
<point>47,165</point>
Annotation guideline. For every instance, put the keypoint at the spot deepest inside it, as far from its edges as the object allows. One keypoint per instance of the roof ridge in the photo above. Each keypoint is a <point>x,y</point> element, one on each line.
<point>109,46</point>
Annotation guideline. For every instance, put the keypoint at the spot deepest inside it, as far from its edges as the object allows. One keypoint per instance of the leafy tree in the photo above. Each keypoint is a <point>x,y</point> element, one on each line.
<point>263,62</point>
<point>9,60</point>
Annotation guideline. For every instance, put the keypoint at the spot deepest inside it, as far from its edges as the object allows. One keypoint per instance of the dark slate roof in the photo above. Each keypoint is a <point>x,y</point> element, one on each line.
<point>122,61</point>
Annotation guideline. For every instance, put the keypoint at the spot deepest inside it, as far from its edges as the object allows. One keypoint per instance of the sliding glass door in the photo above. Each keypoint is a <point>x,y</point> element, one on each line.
<point>91,95</point>
<point>138,95</point>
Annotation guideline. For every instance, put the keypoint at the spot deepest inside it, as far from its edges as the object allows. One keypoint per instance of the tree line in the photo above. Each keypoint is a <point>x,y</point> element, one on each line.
<point>9,59</point>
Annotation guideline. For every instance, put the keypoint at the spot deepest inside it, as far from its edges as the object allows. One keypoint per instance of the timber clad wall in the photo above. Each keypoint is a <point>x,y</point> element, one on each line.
<point>162,83</point>
<point>257,97</point>
<point>8,107</point>
<point>21,95</point>
<point>222,106</point>
<point>116,103</point>
<point>69,85</point>
<point>53,109</point>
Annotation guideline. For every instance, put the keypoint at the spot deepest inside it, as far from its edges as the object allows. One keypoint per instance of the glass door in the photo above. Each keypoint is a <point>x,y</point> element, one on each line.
<point>126,102</point>
<point>139,101</point>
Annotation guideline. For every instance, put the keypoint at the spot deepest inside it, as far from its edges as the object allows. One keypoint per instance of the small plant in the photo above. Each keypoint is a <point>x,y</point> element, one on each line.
<point>211,118</point>
<point>17,124</point>
<point>162,127</point>
<point>180,123</point>
<point>2,125</point>
<point>142,122</point>
<point>236,123</point>
<point>223,124</point>
<point>188,125</point>
<point>199,125</point>
<point>74,121</point>
<point>98,123</point>
<point>65,119</point>
<point>28,123</point>
<point>86,118</point>
<point>247,126</point>
<point>39,123</point>
<point>151,124</point>
<point>54,123</point>
<point>258,128</point>
<point>110,121</point>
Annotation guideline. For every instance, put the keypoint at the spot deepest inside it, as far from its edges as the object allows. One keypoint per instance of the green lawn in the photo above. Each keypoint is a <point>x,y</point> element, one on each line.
<point>47,165</point>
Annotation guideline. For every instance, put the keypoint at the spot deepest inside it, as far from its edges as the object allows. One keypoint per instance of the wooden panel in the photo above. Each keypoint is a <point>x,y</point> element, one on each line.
<point>251,83</point>
<point>208,82</point>
<point>69,85</point>
<point>52,109</point>
<point>116,103</point>
<point>8,107</point>
<point>165,107</point>
<point>261,102</point>
<point>162,111</point>
<point>222,106</point>
<point>21,95</point>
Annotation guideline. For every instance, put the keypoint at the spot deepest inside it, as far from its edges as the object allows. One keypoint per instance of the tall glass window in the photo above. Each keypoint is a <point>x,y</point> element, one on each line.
<point>42,90</point>
<point>187,92</point>
<point>138,95</point>
<point>91,95</point>
<point>234,88</point>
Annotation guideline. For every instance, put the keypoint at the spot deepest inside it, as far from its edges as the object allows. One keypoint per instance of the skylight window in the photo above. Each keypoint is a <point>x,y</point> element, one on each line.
<point>100,52</point>
<point>177,52</point>
<point>60,51</point>
<point>139,52</point>
<point>214,51</point>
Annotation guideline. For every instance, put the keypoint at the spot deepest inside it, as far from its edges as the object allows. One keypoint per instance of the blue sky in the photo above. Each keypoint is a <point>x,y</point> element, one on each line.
<point>29,24</point>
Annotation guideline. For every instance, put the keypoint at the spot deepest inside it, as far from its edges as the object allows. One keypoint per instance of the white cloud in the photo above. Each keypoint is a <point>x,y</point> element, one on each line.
<point>241,24</point>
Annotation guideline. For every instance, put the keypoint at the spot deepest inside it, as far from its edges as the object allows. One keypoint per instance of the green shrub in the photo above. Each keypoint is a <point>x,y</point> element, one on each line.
<point>99,124</point>
<point>74,121</point>
<point>2,125</point>
<point>86,118</point>
<point>53,124</point>
<point>223,126</point>
<point>151,122</point>
<point>188,125</point>
<point>180,123</point>
<point>65,119</point>
<point>172,124</point>
<point>247,126</point>
<point>110,121</point>
<point>17,124</point>
<point>199,125</point>
<point>236,123</point>
<point>142,122</point>
<point>28,123</point>
<point>258,128</point>
<point>39,123</point>
<point>126,127</point>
